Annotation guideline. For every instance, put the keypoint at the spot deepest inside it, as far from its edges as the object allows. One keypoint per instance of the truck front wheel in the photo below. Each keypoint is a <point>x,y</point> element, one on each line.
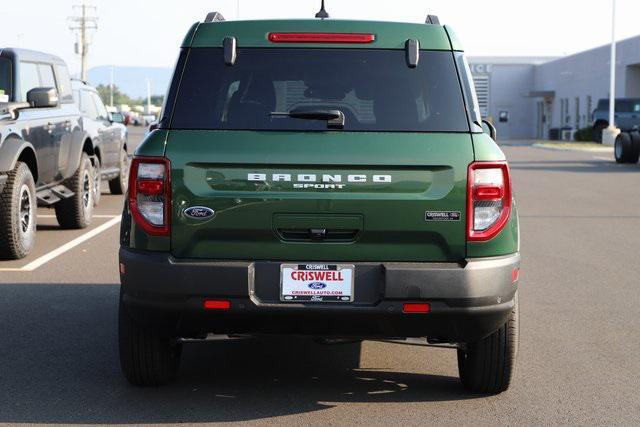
<point>488,366</point>
<point>627,147</point>
<point>76,211</point>
<point>18,213</point>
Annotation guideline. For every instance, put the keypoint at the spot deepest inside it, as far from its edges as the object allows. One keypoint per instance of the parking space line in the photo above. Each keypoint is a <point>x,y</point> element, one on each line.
<point>602,158</point>
<point>66,247</point>
<point>93,216</point>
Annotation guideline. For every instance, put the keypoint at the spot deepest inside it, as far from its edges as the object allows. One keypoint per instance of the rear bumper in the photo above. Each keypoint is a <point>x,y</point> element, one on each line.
<point>468,302</point>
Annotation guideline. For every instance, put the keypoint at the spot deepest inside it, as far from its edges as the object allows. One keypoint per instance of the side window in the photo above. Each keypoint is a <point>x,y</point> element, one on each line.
<point>88,107</point>
<point>46,76</point>
<point>64,84</point>
<point>29,78</point>
<point>100,108</point>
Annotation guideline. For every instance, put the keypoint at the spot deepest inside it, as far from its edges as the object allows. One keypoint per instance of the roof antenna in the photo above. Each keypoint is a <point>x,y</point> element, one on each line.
<point>323,13</point>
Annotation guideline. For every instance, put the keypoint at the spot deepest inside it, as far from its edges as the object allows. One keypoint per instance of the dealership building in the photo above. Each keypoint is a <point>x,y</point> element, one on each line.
<point>535,97</point>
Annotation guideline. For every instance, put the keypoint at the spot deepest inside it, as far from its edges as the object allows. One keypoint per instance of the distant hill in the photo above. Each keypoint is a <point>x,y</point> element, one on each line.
<point>132,80</point>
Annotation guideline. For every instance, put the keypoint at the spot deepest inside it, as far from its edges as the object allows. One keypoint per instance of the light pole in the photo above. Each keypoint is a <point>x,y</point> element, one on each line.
<point>610,134</point>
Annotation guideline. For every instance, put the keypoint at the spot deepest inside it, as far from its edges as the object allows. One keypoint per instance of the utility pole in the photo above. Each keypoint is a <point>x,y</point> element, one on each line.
<point>111,86</point>
<point>612,91</point>
<point>148,96</point>
<point>82,24</point>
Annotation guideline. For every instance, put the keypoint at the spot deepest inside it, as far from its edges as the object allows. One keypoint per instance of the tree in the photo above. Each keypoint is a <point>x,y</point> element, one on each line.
<point>121,98</point>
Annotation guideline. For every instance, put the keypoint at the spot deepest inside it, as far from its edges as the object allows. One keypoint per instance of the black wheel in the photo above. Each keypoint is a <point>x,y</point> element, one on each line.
<point>598,128</point>
<point>627,147</point>
<point>635,147</point>
<point>119,185</point>
<point>76,211</point>
<point>18,213</point>
<point>488,366</point>
<point>148,357</point>
<point>97,181</point>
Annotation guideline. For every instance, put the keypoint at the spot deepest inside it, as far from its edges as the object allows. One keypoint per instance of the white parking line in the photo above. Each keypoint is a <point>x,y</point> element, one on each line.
<point>67,246</point>
<point>603,158</point>
<point>93,216</point>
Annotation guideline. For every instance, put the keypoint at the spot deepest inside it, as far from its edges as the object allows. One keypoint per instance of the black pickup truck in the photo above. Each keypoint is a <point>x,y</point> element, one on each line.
<point>45,159</point>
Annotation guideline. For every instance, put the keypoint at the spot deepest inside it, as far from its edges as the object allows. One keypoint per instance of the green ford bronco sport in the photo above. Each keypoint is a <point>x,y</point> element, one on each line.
<point>323,178</point>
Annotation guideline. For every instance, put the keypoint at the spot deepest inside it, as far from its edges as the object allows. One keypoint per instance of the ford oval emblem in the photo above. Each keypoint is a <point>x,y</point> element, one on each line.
<point>199,212</point>
<point>317,285</point>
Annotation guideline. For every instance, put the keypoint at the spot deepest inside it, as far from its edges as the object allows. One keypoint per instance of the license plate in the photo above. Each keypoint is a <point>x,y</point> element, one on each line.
<point>316,283</point>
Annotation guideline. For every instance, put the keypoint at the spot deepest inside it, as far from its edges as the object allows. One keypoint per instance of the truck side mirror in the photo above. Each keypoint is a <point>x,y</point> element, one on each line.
<point>489,128</point>
<point>43,97</point>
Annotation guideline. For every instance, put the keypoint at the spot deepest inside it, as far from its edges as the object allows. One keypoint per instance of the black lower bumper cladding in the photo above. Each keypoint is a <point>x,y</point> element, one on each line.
<point>467,301</point>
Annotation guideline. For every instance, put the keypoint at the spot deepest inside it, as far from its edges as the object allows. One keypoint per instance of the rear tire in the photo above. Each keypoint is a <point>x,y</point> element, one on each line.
<point>119,185</point>
<point>635,147</point>
<point>18,213</point>
<point>76,211</point>
<point>627,147</point>
<point>488,366</point>
<point>598,128</point>
<point>148,357</point>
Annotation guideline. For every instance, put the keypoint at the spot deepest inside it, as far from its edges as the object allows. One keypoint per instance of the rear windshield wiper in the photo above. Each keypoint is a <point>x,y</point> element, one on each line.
<point>334,118</point>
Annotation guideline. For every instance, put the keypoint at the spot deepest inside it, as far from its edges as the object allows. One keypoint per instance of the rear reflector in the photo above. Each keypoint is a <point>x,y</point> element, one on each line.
<point>321,38</point>
<point>515,275</point>
<point>217,305</point>
<point>416,308</point>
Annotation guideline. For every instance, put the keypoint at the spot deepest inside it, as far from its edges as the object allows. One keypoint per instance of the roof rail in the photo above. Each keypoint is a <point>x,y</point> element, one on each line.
<point>432,19</point>
<point>214,17</point>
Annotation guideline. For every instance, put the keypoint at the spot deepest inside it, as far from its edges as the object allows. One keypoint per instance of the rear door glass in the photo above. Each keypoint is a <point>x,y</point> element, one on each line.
<point>29,78</point>
<point>5,77</point>
<point>375,90</point>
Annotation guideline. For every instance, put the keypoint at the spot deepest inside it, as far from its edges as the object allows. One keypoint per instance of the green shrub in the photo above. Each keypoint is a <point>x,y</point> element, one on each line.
<point>584,135</point>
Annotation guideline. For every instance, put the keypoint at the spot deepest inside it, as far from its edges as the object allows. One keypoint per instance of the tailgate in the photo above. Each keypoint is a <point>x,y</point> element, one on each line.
<point>350,196</point>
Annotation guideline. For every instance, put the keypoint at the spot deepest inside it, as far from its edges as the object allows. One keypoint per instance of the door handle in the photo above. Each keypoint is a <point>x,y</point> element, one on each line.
<point>49,127</point>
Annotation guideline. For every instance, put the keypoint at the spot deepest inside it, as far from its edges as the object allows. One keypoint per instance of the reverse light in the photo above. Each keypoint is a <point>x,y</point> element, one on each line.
<point>150,194</point>
<point>356,38</point>
<point>489,199</point>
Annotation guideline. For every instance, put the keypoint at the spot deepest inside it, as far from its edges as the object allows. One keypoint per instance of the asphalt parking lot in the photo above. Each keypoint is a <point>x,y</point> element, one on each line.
<point>578,358</point>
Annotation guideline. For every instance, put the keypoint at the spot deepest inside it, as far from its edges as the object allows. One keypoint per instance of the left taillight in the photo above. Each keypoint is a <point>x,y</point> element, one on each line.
<point>150,194</point>
<point>489,199</point>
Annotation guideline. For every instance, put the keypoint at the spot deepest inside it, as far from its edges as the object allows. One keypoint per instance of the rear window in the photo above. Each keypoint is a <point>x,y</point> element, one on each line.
<point>375,89</point>
<point>5,77</point>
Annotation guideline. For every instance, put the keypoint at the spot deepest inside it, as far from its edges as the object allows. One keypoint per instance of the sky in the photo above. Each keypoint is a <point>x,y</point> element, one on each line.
<point>148,32</point>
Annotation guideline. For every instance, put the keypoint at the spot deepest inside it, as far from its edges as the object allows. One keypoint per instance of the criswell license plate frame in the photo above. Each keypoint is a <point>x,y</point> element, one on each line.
<point>339,267</point>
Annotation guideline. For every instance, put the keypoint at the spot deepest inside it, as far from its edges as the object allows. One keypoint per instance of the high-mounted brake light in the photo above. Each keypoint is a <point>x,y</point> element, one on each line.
<point>150,194</point>
<point>489,199</point>
<point>356,38</point>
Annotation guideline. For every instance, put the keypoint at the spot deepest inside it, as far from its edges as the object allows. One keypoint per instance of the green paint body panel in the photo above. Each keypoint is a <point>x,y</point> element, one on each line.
<point>389,35</point>
<point>153,144</point>
<point>210,168</point>
<point>453,37</point>
<point>486,149</point>
<point>376,221</point>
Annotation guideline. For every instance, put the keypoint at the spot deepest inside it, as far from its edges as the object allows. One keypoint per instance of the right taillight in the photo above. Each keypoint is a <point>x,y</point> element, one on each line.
<point>150,194</point>
<point>488,199</point>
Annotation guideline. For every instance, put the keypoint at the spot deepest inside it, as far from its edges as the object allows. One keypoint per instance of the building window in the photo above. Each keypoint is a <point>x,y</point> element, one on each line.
<point>589,109</point>
<point>577,118</point>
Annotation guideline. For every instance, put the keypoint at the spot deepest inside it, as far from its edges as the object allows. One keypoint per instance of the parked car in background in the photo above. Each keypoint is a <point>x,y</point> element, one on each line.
<point>44,159</point>
<point>108,135</point>
<point>627,116</point>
